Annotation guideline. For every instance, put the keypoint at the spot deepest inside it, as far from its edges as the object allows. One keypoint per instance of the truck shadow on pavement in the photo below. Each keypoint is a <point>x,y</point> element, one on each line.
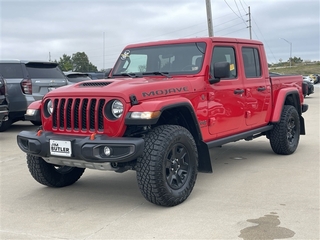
<point>21,126</point>
<point>107,187</point>
<point>94,190</point>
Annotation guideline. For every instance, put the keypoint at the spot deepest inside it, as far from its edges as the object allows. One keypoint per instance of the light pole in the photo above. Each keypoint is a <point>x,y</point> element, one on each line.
<point>290,49</point>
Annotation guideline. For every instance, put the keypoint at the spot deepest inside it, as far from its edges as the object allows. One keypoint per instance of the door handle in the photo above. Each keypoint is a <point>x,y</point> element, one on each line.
<point>260,89</point>
<point>238,91</point>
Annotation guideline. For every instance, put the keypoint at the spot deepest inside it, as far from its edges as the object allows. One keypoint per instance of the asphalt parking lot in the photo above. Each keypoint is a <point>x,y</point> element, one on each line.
<point>252,194</point>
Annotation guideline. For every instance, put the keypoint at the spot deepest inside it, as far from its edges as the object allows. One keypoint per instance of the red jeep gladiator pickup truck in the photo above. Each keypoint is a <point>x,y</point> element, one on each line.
<point>163,106</point>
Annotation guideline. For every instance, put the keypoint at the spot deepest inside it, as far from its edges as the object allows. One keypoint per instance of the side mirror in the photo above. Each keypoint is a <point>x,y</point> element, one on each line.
<point>220,70</point>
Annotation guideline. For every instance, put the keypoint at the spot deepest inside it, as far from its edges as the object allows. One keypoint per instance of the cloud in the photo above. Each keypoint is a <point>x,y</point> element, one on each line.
<point>101,29</point>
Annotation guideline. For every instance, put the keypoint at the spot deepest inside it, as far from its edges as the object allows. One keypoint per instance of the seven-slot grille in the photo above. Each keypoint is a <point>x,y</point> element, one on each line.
<point>79,115</point>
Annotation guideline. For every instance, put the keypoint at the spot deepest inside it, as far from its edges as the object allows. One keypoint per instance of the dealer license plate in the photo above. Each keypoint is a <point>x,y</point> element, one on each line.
<point>60,148</point>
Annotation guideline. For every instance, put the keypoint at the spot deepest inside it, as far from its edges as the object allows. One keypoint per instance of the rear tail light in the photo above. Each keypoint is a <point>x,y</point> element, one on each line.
<point>26,86</point>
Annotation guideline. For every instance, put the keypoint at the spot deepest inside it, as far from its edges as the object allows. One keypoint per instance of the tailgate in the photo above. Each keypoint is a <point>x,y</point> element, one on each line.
<point>45,77</point>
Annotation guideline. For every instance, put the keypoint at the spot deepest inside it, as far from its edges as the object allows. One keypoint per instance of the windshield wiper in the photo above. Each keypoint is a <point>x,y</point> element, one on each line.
<point>166,74</point>
<point>132,75</point>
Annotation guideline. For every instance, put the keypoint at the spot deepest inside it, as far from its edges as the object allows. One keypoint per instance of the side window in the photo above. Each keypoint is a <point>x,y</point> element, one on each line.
<point>11,70</point>
<point>251,61</point>
<point>224,54</point>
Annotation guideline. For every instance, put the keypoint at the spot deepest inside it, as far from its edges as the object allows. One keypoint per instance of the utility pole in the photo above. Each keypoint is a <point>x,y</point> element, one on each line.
<point>249,13</point>
<point>290,49</point>
<point>209,18</point>
<point>49,57</point>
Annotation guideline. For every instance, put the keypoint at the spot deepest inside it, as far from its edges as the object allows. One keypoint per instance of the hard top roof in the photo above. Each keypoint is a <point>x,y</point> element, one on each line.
<point>200,39</point>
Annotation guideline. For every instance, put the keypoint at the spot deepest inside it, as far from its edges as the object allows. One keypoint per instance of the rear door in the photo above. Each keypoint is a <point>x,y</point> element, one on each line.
<point>257,87</point>
<point>45,77</point>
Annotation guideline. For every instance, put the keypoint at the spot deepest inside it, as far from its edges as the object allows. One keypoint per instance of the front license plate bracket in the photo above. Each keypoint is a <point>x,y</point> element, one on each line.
<point>60,148</point>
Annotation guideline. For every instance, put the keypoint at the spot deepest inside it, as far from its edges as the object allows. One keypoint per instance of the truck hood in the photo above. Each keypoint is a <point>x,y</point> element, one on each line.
<point>141,88</point>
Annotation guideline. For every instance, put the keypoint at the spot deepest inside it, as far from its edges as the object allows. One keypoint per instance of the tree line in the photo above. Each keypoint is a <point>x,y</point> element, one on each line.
<point>293,60</point>
<point>77,62</point>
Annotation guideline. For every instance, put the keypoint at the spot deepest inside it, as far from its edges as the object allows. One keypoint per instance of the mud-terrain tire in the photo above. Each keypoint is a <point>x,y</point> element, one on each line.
<point>5,125</point>
<point>285,135</point>
<point>168,168</point>
<point>51,175</point>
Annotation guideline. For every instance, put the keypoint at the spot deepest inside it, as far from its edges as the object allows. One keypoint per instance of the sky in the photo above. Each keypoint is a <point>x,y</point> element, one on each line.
<point>47,29</point>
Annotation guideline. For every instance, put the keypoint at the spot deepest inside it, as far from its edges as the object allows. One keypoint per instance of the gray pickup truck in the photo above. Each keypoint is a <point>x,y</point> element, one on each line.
<point>27,81</point>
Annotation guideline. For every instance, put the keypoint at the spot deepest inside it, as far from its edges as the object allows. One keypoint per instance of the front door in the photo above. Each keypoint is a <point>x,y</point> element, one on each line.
<point>225,98</point>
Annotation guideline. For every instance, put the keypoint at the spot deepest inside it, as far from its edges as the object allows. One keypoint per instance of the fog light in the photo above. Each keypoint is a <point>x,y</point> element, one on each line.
<point>107,151</point>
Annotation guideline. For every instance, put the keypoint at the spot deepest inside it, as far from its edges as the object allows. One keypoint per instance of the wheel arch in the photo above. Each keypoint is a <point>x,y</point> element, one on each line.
<point>182,114</point>
<point>285,97</point>
<point>288,97</point>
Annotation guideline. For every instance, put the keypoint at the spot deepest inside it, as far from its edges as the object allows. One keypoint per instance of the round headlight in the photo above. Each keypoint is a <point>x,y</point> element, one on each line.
<point>49,107</point>
<point>117,108</point>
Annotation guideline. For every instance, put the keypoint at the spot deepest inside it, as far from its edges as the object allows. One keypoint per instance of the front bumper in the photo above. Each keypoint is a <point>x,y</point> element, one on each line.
<point>83,149</point>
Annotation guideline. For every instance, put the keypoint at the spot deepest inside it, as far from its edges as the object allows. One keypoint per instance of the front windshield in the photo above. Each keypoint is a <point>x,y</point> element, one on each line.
<point>168,59</point>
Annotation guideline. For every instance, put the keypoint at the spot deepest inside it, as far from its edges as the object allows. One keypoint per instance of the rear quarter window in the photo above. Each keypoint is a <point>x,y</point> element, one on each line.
<point>40,70</point>
<point>11,70</point>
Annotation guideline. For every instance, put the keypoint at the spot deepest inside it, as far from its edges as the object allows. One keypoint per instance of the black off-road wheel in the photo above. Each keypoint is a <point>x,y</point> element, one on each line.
<point>167,170</point>
<point>51,175</point>
<point>284,137</point>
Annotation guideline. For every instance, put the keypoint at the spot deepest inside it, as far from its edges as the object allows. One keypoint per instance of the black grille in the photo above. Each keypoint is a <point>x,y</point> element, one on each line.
<point>95,84</point>
<point>78,115</point>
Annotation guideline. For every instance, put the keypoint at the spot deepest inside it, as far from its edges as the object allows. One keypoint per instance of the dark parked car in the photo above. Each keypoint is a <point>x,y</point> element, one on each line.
<point>317,79</point>
<point>28,81</point>
<point>308,87</point>
<point>3,101</point>
<point>75,77</point>
<point>99,75</point>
